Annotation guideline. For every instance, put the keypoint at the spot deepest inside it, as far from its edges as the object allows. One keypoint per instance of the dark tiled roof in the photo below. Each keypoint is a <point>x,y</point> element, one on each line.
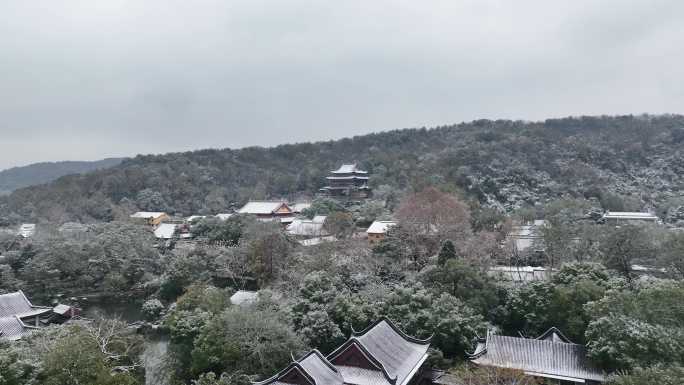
<point>540,357</point>
<point>320,369</point>
<point>11,328</point>
<point>394,358</point>
<point>314,367</point>
<point>14,303</point>
<point>13,308</point>
<point>398,353</point>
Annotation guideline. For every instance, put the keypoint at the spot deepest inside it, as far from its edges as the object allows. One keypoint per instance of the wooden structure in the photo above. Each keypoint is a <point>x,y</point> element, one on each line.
<point>152,218</point>
<point>347,182</point>
<point>377,230</point>
<point>382,354</point>
<point>269,211</point>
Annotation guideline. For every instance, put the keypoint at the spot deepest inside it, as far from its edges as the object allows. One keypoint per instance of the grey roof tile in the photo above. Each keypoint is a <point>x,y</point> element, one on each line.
<point>544,357</point>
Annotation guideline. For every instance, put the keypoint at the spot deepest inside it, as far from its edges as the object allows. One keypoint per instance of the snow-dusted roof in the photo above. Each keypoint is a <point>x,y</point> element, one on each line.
<point>261,207</point>
<point>165,230</point>
<point>393,357</point>
<point>27,229</point>
<point>630,215</point>
<point>307,227</point>
<point>243,297</point>
<point>348,169</point>
<point>550,358</point>
<point>397,356</point>
<point>520,273</point>
<point>147,214</point>
<point>312,369</point>
<point>380,227</point>
<point>14,303</point>
<point>194,217</point>
<point>13,307</point>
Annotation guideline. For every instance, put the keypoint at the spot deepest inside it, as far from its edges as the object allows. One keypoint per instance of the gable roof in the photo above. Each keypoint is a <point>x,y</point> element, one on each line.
<point>15,303</point>
<point>14,307</point>
<point>314,367</point>
<point>307,227</point>
<point>629,215</point>
<point>262,207</point>
<point>537,357</point>
<point>398,355</point>
<point>380,227</point>
<point>165,230</point>
<point>554,335</point>
<point>393,358</point>
<point>147,214</point>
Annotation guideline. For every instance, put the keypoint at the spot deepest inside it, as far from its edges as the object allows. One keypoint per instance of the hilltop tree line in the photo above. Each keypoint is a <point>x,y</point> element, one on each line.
<point>625,162</point>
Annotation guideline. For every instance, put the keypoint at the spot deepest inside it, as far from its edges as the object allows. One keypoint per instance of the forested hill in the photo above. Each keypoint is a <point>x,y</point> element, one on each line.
<point>627,162</point>
<point>39,173</point>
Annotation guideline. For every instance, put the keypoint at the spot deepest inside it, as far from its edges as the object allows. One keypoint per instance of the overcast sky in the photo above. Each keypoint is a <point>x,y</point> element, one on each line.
<point>82,80</point>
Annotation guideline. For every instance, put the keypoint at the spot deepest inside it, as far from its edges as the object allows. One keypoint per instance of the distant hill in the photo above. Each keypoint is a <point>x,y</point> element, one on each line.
<point>40,173</point>
<point>623,162</point>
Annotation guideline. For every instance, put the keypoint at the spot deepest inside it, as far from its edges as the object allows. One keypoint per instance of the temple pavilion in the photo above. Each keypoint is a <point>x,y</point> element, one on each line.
<point>348,181</point>
<point>380,355</point>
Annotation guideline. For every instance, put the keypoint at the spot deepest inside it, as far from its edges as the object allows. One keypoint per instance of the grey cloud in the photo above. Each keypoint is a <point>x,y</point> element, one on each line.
<point>86,80</point>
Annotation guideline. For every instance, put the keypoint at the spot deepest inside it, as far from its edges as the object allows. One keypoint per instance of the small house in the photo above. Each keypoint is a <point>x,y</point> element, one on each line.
<point>307,228</point>
<point>150,217</point>
<point>269,211</point>
<point>623,217</point>
<point>27,230</point>
<point>377,230</point>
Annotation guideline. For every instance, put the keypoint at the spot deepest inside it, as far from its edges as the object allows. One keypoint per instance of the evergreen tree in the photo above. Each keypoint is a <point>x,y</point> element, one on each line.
<point>447,252</point>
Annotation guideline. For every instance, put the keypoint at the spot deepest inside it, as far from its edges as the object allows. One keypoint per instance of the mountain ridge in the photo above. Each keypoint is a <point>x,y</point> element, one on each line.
<point>635,161</point>
<point>14,178</point>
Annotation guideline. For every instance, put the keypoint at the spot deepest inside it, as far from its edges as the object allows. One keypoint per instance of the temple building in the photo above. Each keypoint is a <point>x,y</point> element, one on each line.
<point>551,356</point>
<point>347,182</point>
<point>380,355</point>
<point>267,211</point>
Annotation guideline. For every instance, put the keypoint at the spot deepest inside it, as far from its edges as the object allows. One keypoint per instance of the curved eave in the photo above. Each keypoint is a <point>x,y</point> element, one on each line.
<point>292,366</point>
<point>367,354</point>
<point>396,329</point>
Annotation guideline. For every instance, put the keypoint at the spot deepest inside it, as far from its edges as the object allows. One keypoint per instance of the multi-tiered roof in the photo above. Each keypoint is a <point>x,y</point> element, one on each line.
<point>380,355</point>
<point>348,180</point>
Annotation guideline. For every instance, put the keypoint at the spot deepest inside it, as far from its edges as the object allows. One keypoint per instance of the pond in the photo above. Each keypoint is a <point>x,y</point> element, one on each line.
<point>156,347</point>
<point>126,311</point>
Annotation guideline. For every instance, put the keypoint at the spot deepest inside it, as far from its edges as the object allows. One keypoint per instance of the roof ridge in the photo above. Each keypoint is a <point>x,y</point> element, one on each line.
<point>554,329</point>
<point>368,354</point>
<point>292,365</point>
<point>396,329</point>
<point>322,357</point>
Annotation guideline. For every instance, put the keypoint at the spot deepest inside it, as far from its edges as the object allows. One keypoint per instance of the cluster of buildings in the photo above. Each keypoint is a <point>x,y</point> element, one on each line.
<point>18,316</point>
<point>382,354</point>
